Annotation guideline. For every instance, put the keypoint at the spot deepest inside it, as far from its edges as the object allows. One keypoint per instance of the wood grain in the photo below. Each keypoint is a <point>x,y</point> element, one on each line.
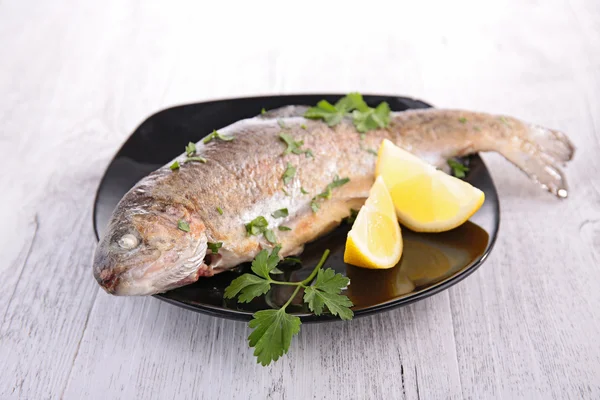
<point>77,77</point>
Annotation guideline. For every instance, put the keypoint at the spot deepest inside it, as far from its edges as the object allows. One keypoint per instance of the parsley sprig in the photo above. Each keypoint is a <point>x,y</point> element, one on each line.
<point>364,117</point>
<point>273,330</point>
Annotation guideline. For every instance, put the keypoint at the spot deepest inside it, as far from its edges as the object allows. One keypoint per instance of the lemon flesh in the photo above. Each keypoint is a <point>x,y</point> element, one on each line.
<point>375,240</point>
<point>425,199</point>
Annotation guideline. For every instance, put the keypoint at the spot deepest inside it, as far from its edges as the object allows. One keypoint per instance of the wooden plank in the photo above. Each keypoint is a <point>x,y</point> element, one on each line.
<point>81,76</point>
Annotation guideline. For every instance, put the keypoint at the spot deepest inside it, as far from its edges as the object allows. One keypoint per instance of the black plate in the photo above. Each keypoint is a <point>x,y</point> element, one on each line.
<point>430,262</point>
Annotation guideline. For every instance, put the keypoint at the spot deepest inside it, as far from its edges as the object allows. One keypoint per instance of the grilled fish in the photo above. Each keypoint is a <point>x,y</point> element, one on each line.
<point>144,251</point>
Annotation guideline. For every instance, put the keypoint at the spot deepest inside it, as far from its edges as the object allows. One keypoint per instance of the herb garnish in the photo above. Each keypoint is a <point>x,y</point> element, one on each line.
<point>263,111</point>
<point>217,135</point>
<point>292,145</point>
<point>183,225</point>
<point>257,226</point>
<point>303,126</point>
<point>352,217</point>
<point>364,117</point>
<point>285,191</point>
<point>458,169</point>
<point>273,330</point>
<point>197,159</point>
<point>303,191</point>
<point>190,149</point>
<point>289,173</point>
<point>174,166</point>
<point>270,236</point>
<point>462,120</point>
<point>220,210</point>
<point>326,194</point>
<point>281,213</point>
<point>284,228</point>
<point>214,247</point>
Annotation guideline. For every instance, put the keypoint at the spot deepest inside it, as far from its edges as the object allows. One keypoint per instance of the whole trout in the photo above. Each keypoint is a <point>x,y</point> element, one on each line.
<point>147,250</point>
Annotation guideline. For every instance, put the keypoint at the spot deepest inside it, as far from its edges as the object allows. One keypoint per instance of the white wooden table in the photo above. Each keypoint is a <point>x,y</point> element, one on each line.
<point>76,77</point>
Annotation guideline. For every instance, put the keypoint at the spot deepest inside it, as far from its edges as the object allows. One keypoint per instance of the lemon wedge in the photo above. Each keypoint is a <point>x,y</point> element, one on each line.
<point>426,199</point>
<point>375,240</point>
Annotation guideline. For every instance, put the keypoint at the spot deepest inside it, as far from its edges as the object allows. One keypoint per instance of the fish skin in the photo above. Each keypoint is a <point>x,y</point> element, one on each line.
<point>244,178</point>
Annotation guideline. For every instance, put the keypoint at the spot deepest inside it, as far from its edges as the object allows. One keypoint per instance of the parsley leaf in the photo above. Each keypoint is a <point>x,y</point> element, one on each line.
<point>182,225</point>
<point>197,158</point>
<point>458,169</point>
<point>462,120</point>
<point>337,182</point>
<point>281,213</point>
<point>372,118</point>
<point>264,262</point>
<point>303,126</point>
<point>190,149</point>
<point>327,112</point>
<point>325,291</point>
<point>289,173</point>
<point>314,205</point>
<point>220,210</point>
<point>303,191</point>
<point>292,145</point>
<point>263,111</point>
<point>217,135</point>
<point>214,247</point>
<point>272,334</point>
<point>352,217</point>
<point>270,236</point>
<point>364,117</point>
<point>174,166</point>
<point>257,226</point>
<point>284,228</point>
<point>248,286</point>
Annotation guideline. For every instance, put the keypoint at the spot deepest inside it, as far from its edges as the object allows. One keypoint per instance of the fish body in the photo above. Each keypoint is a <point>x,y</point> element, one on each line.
<point>144,251</point>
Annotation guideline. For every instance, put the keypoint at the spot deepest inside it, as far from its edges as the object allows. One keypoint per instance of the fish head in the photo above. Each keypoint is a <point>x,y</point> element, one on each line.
<point>149,248</point>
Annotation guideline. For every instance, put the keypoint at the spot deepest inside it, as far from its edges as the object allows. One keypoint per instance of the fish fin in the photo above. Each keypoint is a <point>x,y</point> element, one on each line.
<point>539,155</point>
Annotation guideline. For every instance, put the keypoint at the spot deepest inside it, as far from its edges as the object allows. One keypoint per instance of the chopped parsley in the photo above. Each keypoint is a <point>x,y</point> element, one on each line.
<point>462,120</point>
<point>352,217</point>
<point>292,145</point>
<point>303,191</point>
<point>214,247</point>
<point>303,126</point>
<point>270,236</point>
<point>284,228</point>
<point>190,149</point>
<point>458,169</point>
<point>257,226</point>
<point>364,117</point>
<point>288,175</point>
<point>326,194</point>
<point>183,225</point>
<point>217,135</point>
<point>220,210</point>
<point>281,213</point>
<point>195,159</point>
<point>263,111</point>
<point>174,166</point>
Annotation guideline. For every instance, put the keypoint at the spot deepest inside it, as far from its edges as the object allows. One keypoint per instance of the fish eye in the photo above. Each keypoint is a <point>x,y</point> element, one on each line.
<point>128,242</point>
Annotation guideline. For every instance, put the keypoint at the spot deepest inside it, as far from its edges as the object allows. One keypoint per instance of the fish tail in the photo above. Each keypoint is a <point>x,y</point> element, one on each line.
<point>539,154</point>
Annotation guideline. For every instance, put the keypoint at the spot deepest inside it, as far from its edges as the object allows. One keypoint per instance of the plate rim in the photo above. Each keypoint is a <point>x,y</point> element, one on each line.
<point>242,315</point>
